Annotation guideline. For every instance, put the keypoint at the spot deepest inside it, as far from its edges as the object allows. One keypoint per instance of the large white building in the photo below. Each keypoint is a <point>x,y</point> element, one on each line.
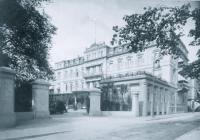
<point>102,64</point>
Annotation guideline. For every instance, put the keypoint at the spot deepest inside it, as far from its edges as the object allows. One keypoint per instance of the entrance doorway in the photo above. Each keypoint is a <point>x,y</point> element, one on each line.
<point>76,102</point>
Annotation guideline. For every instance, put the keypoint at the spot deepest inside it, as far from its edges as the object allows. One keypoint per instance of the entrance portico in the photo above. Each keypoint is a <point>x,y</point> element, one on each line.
<point>150,95</point>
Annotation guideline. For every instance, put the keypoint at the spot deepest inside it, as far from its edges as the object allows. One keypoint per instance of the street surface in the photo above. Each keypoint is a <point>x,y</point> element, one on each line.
<point>66,127</point>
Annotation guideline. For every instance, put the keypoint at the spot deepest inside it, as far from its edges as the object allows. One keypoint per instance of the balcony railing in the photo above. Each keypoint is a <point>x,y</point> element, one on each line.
<point>107,78</point>
<point>92,75</point>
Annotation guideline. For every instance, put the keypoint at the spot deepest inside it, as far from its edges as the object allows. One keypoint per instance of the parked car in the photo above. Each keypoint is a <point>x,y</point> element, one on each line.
<point>57,107</point>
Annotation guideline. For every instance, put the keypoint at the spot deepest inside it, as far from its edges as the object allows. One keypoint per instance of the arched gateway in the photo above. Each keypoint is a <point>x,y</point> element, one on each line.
<point>149,95</point>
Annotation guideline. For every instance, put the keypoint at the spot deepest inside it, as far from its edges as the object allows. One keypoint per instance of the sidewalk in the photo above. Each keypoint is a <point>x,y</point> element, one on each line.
<point>192,135</point>
<point>66,124</point>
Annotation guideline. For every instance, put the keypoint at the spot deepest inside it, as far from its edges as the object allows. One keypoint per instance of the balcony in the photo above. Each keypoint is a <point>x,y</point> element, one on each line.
<point>93,75</point>
<point>130,76</point>
<point>183,86</point>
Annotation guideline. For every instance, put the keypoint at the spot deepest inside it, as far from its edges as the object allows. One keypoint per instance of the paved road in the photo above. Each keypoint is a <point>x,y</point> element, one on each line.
<point>104,128</point>
<point>155,131</point>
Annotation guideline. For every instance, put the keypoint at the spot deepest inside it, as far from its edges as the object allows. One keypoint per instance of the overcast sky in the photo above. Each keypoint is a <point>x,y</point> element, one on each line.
<point>76,28</point>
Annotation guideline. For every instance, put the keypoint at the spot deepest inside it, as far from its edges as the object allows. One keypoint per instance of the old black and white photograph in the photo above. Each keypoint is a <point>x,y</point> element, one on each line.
<point>99,70</point>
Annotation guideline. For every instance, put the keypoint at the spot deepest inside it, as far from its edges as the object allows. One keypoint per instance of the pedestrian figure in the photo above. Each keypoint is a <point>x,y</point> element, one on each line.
<point>88,104</point>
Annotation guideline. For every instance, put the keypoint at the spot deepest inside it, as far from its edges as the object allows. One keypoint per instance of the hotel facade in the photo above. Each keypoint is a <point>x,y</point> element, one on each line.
<point>145,80</point>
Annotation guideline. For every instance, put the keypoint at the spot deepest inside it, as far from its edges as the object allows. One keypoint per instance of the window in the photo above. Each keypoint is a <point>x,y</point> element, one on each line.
<point>66,74</point>
<point>94,55</point>
<point>88,70</point>
<point>71,86</point>
<point>94,69</point>
<point>100,68</point>
<point>71,73</point>
<point>101,53</point>
<point>58,75</point>
<point>157,59</point>
<point>173,75</point>
<point>94,84</point>
<point>111,65</point>
<point>140,59</point>
<point>88,85</point>
<point>157,64</point>
<point>82,84</point>
<point>82,71</point>
<point>88,57</point>
<point>129,59</point>
<point>119,49</point>
<point>76,72</point>
<point>76,85</point>
<point>58,90</point>
<point>111,62</point>
<point>66,87</point>
<point>119,66</point>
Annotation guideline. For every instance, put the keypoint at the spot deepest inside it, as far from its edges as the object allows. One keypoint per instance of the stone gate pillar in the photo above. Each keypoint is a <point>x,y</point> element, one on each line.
<point>7,114</point>
<point>95,102</point>
<point>40,93</point>
<point>135,103</point>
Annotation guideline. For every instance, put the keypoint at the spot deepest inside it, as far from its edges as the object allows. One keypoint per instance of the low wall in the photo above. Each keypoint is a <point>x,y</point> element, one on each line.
<point>24,116</point>
<point>117,113</point>
<point>7,120</point>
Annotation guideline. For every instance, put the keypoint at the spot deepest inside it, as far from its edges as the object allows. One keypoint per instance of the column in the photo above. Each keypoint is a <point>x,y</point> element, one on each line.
<point>75,102</point>
<point>175,102</point>
<point>40,93</point>
<point>152,100</point>
<point>185,102</point>
<point>160,101</point>
<point>95,102</point>
<point>145,99</point>
<point>135,103</point>
<point>7,114</point>
<point>157,101</point>
<point>168,102</point>
<point>163,102</point>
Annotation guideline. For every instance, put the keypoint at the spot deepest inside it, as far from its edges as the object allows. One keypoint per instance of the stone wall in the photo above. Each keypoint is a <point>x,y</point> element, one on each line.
<point>8,117</point>
<point>24,116</point>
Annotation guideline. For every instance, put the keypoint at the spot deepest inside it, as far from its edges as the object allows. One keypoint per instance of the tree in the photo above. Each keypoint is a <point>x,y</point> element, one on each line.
<point>25,38</point>
<point>162,27</point>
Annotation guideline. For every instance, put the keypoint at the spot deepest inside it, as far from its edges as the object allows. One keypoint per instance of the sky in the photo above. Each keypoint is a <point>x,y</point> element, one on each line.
<point>82,22</point>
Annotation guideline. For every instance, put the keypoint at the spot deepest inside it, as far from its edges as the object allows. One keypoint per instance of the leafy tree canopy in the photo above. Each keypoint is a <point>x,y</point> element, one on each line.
<point>161,26</point>
<point>25,38</point>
